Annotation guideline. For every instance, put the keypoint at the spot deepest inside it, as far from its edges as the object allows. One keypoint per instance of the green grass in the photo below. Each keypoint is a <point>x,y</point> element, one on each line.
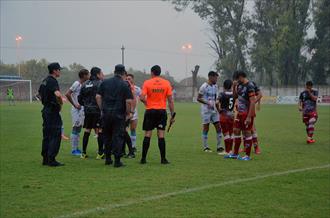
<point>29,189</point>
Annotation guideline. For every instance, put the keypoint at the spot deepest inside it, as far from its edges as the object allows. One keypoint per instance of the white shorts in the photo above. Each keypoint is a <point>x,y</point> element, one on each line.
<point>135,115</point>
<point>78,117</point>
<point>210,117</point>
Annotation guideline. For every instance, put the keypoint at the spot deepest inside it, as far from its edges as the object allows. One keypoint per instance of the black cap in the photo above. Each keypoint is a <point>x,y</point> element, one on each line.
<point>54,66</point>
<point>120,69</point>
<point>213,73</point>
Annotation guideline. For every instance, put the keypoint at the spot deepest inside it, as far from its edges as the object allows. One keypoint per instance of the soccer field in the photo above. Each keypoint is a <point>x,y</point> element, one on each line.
<point>289,178</point>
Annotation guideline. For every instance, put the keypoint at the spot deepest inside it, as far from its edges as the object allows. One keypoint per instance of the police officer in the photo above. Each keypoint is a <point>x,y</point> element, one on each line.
<point>114,98</point>
<point>51,98</point>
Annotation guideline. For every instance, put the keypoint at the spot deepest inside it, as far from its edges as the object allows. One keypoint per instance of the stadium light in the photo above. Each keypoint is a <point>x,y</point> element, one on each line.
<point>18,42</point>
<point>186,48</point>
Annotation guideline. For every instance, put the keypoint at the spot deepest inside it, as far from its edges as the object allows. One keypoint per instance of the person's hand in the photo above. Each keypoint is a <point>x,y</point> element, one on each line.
<point>300,109</point>
<point>129,116</point>
<point>77,106</point>
<point>210,105</point>
<point>172,120</point>
<point>247,122</point>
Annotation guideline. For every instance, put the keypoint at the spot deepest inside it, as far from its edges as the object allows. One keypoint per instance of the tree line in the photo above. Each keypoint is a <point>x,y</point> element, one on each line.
<point>268,40</point>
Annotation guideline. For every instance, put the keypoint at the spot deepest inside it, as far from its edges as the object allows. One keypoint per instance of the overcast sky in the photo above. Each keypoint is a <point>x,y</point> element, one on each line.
<point>92,32</point>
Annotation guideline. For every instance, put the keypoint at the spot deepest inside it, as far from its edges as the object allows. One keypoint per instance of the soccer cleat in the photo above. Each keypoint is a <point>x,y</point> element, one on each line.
<point>64,137</point>
<point>221,151</point>
<point>257,150</point>
<point>164,161</point>
<point>76,152</point>
<point>231,156</point>
<point>246,158</point>
<point>100,156</point>
<point>83,156</point>
<point>310,141</point>
<point>207,150</point>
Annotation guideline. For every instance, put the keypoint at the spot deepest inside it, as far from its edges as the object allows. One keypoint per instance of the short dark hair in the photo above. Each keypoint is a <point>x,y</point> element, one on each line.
<point>82,73</point>
<point>241,73</point>
<point>227,84</point>
<point>94,72</point>
<point>213,73</point>
<point>131,75</point>
<point>309,83</point>
<point>156,70</point>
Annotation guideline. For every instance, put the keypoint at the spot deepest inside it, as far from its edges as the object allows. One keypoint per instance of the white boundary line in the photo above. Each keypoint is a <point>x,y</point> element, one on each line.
<point>185,191</point>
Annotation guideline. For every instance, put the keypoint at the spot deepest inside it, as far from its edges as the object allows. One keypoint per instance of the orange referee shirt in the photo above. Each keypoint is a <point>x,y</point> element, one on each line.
<point>156,91</point>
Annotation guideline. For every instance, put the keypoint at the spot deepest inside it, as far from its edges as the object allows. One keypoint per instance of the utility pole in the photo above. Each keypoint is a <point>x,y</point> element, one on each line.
<point>122,54</point>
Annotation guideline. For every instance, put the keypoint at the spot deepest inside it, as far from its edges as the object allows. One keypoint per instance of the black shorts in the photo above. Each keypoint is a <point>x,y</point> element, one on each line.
<point>154,119</point>
<point>92,121</point>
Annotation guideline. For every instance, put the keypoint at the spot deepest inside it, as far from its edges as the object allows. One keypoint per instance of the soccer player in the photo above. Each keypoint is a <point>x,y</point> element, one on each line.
<point>307,105</point>
<point>134,120</point>
<point>254,130</point>
<point>10,96</point>
<point>225,106</point>
<point>154,94</point>
<point>245,94</point>
<point>207,95</point>
<point>92,112</point>
<point>77,111</point>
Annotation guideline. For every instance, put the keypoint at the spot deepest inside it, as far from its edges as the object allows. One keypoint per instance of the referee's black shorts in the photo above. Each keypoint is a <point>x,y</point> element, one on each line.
<point>92,121</point>
<point>154,119</point>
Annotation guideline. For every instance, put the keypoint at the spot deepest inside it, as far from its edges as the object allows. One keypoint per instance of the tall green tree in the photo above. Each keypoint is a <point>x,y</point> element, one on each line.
<point>228,21</point>
<point>320,45</point>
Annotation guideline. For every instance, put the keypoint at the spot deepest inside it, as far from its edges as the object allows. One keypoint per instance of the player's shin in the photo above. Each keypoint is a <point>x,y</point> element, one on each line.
<point>248,145</point>
<point>133,138</point>
<point>204,138</point>
<point>85,141</point>
<point>100,142</point>
<point>228,143</point>
<point>237,143</point>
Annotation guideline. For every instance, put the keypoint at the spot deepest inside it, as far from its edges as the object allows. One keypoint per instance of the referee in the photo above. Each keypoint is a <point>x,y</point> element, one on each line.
<point>154,94</point>
<point>51,99</point>
<point>114,98</point>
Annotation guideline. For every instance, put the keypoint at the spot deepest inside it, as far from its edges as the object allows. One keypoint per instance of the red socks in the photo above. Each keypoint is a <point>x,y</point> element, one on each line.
<point>237,141</point>
<point>228,143</point>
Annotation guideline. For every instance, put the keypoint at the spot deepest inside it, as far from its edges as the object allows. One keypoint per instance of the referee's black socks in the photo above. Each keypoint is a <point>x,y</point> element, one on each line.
<point>145,147</point>
<point>85,141</point>
<point>162,149</point>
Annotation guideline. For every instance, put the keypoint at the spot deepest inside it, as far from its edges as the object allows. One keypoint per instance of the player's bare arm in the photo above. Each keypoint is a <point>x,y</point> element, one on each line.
<point>313,97</point>
<point>68,95</point>
<point>59,97</point>
<point>251,113</point>
<point>129,103</point>
<point>99,101</point>
<point>143,99</point>
<point>171,107</point>
<point>200,99</point>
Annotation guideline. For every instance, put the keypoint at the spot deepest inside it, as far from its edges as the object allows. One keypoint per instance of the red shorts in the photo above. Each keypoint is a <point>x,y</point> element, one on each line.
<point>239,122</point>
<point>226,123</point>
<point>308,116</point>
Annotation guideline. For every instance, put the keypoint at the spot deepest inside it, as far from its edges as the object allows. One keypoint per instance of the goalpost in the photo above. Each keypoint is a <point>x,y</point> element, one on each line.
<point>21,91</point>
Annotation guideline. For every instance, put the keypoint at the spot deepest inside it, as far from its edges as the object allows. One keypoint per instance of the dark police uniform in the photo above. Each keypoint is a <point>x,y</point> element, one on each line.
<point>52,122</point>
<point>114,92</point>
<point>87,99</point>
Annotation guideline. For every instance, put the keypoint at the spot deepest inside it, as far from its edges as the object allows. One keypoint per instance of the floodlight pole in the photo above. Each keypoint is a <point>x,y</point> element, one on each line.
<point>122,54</point>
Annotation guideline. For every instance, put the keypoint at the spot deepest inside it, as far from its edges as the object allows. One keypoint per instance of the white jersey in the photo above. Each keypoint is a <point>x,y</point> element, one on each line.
<point>210,94</point>
<point>75,88</point>
<point>137,94</point>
